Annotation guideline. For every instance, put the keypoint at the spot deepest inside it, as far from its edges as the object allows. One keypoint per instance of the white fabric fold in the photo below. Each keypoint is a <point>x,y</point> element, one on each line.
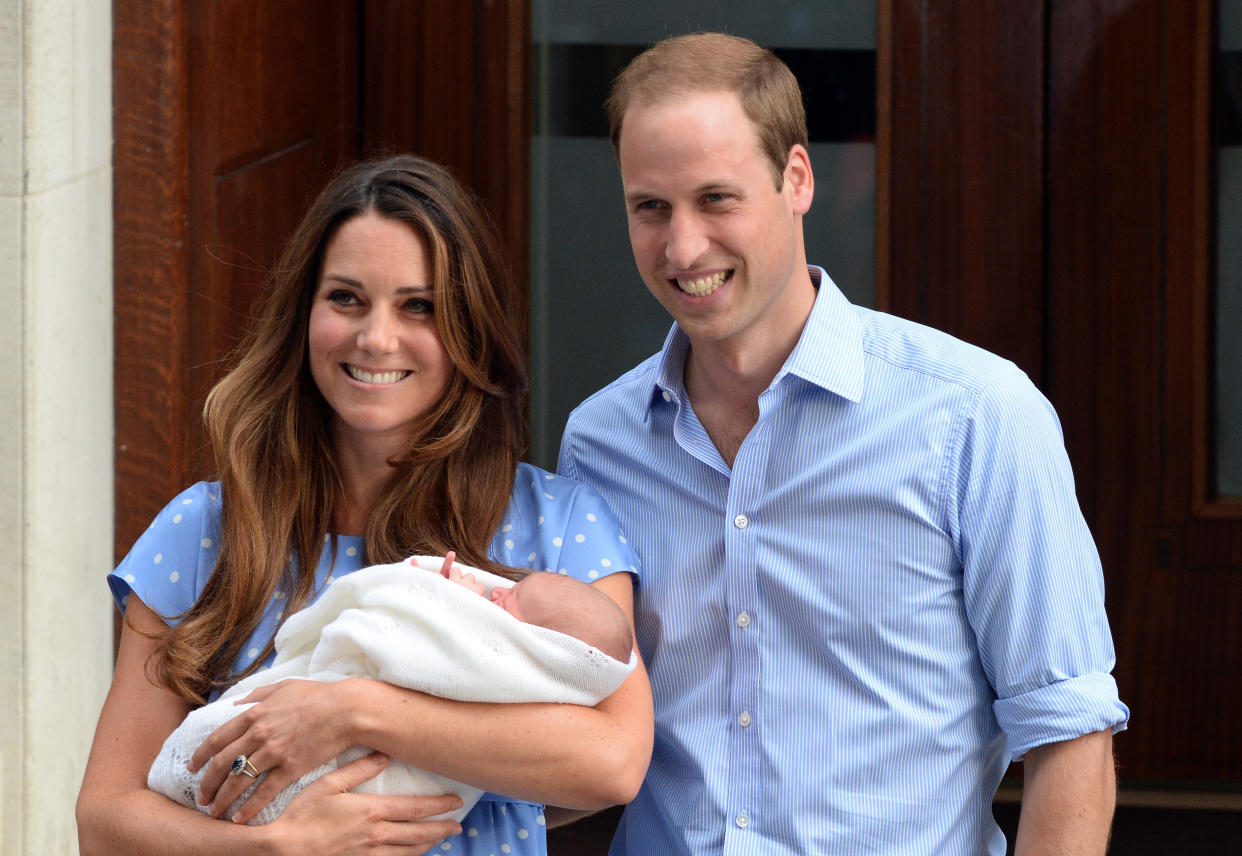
<point>405,624</point>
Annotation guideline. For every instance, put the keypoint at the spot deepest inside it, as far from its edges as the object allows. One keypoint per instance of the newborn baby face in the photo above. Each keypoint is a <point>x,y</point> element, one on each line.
<point>510,599</point>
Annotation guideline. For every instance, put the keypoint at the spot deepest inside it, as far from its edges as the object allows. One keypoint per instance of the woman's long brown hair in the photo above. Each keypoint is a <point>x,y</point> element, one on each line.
<point>270,428</point>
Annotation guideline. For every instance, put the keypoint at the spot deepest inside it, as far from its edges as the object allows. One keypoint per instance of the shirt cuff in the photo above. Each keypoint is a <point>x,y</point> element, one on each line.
<point>1060,711</point>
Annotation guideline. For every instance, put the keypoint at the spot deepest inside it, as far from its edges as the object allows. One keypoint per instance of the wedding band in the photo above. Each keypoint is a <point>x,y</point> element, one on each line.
<point>242,765</point>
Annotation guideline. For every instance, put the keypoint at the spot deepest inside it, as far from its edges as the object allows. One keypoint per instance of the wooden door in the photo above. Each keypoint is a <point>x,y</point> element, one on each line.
<point>1045,192</point>
<point>1131,368</point>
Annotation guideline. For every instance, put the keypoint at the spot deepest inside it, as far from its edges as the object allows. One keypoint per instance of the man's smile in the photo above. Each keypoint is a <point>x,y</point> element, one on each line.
<point>703,286</point>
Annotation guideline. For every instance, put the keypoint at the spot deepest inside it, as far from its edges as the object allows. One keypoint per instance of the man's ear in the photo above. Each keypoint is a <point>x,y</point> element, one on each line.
<point>799,179</point>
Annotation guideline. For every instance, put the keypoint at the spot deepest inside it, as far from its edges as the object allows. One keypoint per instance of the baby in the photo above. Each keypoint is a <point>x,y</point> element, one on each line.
<point>557,602</point>
<point>420,624</point>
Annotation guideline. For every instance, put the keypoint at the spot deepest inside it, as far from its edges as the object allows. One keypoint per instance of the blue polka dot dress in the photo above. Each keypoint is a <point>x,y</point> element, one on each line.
<point>552,524</point>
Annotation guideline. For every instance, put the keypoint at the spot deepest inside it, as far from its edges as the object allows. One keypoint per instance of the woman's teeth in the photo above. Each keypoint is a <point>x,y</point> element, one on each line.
<point>365,376</point>
<point>704,286</point>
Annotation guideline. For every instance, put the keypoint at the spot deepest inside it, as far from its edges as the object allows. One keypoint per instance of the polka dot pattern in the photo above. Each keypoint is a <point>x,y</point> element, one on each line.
<point>551,523</point>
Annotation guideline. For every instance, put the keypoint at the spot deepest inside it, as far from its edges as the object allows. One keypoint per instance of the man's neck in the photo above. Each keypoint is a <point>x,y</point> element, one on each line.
<point>724,379</point>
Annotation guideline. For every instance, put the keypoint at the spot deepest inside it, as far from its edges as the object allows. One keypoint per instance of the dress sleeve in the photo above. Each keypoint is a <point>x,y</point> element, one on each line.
<point>593,544</point>
<point>557,524</point>
<point>1033,584</point>
<point>169,564</point>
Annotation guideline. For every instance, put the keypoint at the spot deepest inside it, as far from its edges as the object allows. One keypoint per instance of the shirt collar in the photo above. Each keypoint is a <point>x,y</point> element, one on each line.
<point>829,352</point>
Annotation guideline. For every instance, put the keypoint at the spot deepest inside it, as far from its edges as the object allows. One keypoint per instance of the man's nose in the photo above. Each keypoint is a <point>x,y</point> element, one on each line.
<point>687,240</point>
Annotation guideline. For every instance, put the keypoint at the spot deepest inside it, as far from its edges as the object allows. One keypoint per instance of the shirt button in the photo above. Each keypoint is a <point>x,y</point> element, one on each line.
<point>742,820</point>
<point>743,620</point>
<point>741,521</point>
<point>743,719</point>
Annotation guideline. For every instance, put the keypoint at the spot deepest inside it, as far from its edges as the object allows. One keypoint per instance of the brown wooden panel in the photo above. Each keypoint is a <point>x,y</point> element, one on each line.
<point>1127,356</point>
<point>451,81</point>
<point>255,208</point>
<point>420,80</point>
<point>228,115</point>
<point>151,188</point>
<point>1103,300</point>
<point>961,167</point>
<point>1201,534</point>
<point>270,125</point>
<point>502,146</point>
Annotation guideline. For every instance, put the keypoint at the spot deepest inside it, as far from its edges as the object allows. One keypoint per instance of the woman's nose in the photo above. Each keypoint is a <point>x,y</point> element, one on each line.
<point>378,334</point>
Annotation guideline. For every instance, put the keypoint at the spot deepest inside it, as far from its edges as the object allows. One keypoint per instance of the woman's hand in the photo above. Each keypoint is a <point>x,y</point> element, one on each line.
<point>117,813</point>
<point>326,818</point>
<point>295,727</point>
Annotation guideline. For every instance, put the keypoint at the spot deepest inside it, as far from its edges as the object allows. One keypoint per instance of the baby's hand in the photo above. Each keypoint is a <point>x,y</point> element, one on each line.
<point>447,568</point>
<point>452,572</point>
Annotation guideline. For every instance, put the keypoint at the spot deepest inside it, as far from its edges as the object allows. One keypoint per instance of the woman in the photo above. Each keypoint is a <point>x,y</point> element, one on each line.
<point>375,413</point>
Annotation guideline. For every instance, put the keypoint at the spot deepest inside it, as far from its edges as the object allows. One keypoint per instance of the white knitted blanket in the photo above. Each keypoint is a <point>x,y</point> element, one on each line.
<point>407,625</point>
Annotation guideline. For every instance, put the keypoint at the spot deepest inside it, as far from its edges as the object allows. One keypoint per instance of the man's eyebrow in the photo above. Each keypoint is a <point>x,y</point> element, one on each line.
<point>640,195</point>
<point>716,187</point>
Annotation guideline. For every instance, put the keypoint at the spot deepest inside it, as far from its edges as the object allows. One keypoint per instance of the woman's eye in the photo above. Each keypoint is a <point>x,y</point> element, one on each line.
<point>420,306</point>
<point>341,297</point>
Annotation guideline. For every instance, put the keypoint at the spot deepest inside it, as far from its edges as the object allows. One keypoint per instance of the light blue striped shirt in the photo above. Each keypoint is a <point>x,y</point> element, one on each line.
<point>851,633</point>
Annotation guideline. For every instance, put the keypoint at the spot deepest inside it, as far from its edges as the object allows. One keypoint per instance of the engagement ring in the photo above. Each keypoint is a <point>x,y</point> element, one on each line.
<point>242,765</point>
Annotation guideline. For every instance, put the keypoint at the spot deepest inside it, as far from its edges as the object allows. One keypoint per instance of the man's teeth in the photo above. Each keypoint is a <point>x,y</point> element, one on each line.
<point>374,377</point>
<point>704,286</point>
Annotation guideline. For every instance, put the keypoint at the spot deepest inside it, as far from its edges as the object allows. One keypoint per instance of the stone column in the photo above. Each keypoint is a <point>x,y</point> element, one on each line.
<point>55,408</point>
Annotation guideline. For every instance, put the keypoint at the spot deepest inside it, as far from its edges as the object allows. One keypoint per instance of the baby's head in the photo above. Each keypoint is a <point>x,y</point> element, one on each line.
<point>569,606</point>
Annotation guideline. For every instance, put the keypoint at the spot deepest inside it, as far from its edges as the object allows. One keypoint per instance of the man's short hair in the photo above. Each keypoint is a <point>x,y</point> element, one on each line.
<point>716,62</point>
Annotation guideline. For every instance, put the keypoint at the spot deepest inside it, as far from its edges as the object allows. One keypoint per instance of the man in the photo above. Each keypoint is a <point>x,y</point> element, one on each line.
<point>868,585</point>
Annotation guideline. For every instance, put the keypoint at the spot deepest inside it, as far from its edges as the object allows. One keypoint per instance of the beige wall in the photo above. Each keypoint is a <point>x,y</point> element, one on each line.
<point>55,408</point>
